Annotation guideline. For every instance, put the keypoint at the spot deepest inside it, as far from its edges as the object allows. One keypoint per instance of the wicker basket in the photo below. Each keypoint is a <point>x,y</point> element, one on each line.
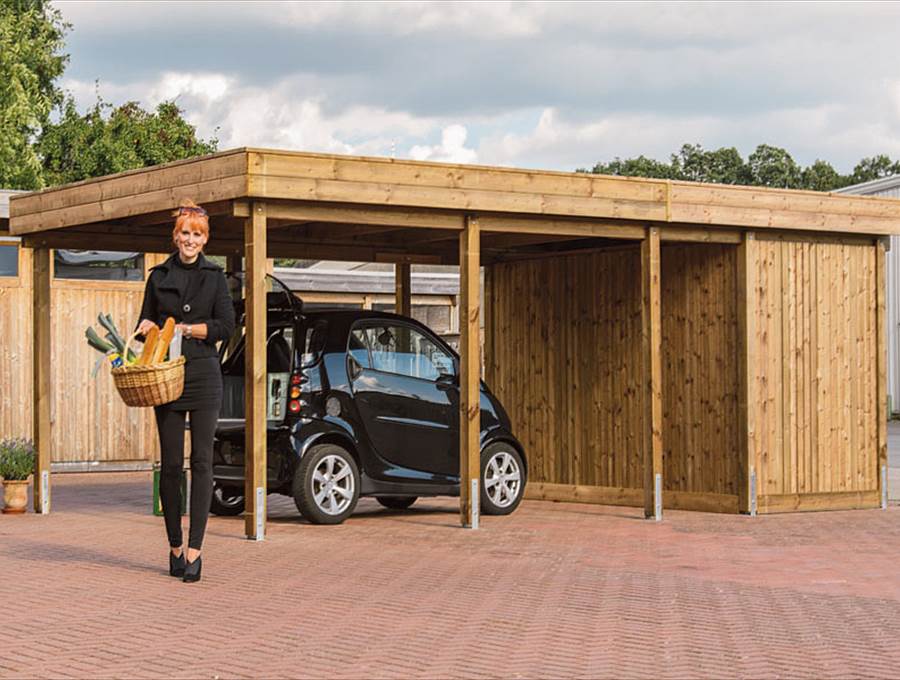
<point>152,385</point>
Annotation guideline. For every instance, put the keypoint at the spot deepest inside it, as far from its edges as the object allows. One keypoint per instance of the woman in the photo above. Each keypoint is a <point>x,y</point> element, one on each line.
<point>193,291</point>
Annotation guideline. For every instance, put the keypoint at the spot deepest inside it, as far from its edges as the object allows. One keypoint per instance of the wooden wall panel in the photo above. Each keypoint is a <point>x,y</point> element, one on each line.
<point>700,369</point>
<point>15,350</point>
<point>816,372</point>
<point>569,373</point>
<point>565,361</point>
<point>89,421</point>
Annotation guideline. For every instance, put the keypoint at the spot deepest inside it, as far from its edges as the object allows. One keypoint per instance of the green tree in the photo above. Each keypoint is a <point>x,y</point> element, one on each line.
<point>635,167</point>
<point>31,59</point>
<point>108,139</point>
<point>771,166</point>
<point>722,166</point>
<point>875,167</point>
<point>821,176</point>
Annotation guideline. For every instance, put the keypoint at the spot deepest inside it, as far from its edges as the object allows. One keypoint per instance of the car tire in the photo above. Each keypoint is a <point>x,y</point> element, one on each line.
<point>317,501</point>
<point>396,502</point>
<point>226,502</point>
<point>502,479</point>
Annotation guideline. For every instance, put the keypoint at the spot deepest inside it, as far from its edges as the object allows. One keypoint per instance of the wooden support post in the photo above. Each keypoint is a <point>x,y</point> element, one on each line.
<point>469,373</point>
<point>255,482</point>
<point>488,308</point>
<point>651,336</point>
<point>747,401</point>
<point>41,386</point>
<point>881,405</point>
<point>402,289</point>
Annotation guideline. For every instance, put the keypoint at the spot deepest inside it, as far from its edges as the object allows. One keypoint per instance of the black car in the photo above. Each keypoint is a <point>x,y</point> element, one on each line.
<point>360,403</point>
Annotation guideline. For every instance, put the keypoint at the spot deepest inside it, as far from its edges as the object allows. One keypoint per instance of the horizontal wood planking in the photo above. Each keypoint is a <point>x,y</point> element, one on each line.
<point>384,171</point>
<point>350,214</point>
<point>780,200</point>
<point>449,198</point>
<point>770,218</point>
<point>128,206</point>
<point>573,493</point>
<point>254,173</point>
<point>841,500</point>
<point>816,370</point>
<point>700,368</point>
<point>171,176</point>
<point>607,495</point>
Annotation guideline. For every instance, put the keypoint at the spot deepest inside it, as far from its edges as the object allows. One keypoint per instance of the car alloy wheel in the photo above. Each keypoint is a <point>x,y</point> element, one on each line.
<point>502,479</point>
<point>333,484</point>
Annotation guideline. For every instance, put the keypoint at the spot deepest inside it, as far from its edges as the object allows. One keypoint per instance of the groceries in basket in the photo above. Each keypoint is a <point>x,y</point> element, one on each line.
<point>148,378</point>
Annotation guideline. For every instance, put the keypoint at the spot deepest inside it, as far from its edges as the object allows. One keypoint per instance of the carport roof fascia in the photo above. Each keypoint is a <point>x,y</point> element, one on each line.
<point>326,180</point>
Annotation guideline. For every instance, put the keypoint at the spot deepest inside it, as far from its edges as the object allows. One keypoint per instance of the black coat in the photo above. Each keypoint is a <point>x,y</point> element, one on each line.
<point>208,303</point>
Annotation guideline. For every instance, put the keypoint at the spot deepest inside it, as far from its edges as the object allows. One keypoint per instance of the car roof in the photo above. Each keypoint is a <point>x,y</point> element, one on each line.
<point>351,315</point>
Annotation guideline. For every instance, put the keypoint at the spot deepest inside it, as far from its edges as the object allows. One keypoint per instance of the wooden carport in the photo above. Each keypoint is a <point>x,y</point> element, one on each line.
<point>586,276</point>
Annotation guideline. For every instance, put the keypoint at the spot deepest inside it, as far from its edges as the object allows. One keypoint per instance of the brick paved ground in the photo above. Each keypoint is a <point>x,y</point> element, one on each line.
<point>555,590</point>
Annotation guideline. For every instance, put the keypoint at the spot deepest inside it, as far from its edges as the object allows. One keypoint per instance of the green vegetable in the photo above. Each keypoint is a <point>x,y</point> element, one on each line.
<point>96,341</point>
<point>113,335</point>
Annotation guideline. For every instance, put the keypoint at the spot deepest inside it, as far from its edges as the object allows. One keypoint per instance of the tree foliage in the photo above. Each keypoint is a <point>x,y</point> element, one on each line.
<point>109,139</point>
<point>31,59</point>
<point>769,166</point>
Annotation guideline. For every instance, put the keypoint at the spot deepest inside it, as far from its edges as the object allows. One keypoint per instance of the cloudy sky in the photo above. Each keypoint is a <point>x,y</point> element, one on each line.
<point>544,85</point>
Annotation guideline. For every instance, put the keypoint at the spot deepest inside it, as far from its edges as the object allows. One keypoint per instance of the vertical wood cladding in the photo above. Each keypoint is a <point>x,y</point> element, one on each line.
<point>816,368</point>
<point>700,369</point>
<point>565,339</point>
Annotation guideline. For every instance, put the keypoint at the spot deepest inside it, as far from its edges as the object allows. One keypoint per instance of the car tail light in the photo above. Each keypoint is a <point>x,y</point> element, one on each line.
<point>294,405</point>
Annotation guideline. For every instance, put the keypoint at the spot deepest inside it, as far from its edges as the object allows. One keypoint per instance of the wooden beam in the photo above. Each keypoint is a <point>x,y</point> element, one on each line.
<point>651,337</point>
<point>350,214</point>
<point>402,286</point>
<point>829,500</point>
<point>881,406</point>
<point>561,227</point>
<point>700,235</point>
<point>255,480</point>
<point>80,238</point>
<point>42,382</point>
<point>470,371</point>
<point>747,401</point>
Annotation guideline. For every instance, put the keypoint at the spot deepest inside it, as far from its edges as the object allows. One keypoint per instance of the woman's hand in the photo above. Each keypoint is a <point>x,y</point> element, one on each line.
<point>198,331</point>
<point>145,325</point>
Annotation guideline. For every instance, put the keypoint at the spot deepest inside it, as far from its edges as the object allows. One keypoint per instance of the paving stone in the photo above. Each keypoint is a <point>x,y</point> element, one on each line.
<point>554,590</point>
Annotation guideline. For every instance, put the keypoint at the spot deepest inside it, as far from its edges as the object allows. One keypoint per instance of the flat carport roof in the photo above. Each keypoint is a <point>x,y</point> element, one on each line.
<point>270,203</point>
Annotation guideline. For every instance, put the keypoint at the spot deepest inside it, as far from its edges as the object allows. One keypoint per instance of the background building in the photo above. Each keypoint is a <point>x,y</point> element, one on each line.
<point>888,187</point>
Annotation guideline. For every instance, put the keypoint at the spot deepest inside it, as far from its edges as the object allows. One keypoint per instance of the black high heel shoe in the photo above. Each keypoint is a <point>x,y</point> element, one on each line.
<point>192,570</point>
<point>176,564</point>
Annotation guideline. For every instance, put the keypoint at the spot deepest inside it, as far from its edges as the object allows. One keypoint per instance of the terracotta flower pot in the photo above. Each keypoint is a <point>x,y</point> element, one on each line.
<point>15,495</point>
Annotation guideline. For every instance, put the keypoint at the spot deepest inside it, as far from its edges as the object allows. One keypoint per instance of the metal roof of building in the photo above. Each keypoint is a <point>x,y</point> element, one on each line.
<point>875,186</point>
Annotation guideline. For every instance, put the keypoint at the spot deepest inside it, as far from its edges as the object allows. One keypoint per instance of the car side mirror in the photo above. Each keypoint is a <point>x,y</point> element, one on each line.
<point>446,381</point>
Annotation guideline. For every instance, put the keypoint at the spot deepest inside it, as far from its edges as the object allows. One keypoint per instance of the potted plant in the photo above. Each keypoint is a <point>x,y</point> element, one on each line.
<point>16,466</point>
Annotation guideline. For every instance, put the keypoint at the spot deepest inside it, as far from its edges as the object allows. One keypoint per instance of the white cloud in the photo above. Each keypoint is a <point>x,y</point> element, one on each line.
<point>452,148</point>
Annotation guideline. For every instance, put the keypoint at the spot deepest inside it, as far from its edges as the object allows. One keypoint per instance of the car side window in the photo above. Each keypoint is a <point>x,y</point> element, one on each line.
<point>405,351</point>
<point>357,347</point>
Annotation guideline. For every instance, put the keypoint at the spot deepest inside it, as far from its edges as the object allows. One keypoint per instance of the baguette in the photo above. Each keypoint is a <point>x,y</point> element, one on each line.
<point>165,337</point>
<point>150,344</point>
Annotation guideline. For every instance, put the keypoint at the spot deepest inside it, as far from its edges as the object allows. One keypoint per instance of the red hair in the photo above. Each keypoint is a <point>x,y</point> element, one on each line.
<point>192,216</point>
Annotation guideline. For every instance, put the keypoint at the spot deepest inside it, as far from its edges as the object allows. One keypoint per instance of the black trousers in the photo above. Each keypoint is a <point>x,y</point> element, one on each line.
<point>170,424</point>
